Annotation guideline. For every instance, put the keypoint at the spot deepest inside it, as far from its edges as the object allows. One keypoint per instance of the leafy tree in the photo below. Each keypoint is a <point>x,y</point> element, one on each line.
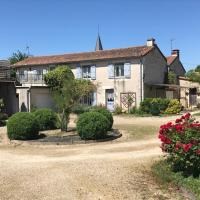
<point>171,77</point>
<point>194,74</point>
<point>17,56</point>
<point>66,91</point>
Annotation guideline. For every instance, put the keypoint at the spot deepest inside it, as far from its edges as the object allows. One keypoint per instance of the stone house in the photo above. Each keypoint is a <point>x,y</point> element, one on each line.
<point>124,76</point>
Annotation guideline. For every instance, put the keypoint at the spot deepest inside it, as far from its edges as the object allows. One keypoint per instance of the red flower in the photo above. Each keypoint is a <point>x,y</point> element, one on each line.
<point>178,120</point>
<point>187,147</point>
<point>187,116</point>
<point>198,151</point>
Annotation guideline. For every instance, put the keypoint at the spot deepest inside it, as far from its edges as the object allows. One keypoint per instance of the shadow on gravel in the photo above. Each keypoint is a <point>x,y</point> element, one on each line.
<point>75,138</point>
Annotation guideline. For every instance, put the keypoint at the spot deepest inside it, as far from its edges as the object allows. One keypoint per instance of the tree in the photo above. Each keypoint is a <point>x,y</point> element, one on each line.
<point>194,74</point>
<point>66,91</point>
<point>17,56</point>
<point>171,77</point>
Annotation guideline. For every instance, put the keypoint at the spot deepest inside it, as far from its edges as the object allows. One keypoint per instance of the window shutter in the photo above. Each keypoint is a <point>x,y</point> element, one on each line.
<point>78,71</point>
<point>127,70</point>
<point>94,102</point>
<point>93,72</point>
<point>111,71</point>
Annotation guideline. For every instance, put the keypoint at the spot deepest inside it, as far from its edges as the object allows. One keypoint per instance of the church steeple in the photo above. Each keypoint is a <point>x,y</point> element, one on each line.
<point>98,46</point>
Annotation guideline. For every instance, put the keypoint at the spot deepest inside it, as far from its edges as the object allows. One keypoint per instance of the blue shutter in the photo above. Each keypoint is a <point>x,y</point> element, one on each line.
<point>94,102</point>
<point>111,71</point>
<point>93,72</point>
<point>127,70</point>
<point>78,71</point>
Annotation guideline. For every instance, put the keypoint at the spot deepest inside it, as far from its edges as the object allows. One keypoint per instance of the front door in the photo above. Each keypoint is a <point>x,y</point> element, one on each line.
<point>110,99</point>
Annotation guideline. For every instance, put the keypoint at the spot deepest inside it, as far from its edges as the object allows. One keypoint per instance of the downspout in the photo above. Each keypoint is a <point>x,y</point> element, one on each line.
<point>28,99</point>
<point>141,80</point>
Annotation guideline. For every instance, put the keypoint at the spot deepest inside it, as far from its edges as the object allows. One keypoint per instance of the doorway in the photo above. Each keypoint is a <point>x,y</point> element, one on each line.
<point>110,99</point>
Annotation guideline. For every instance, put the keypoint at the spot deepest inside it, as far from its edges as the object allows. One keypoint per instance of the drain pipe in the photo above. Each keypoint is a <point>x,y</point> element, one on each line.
<point>141,80</point>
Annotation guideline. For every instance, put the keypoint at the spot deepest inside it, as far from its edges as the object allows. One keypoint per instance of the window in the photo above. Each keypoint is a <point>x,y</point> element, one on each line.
<point>87,100</point>
<point>119,69</point>
<point>23,75</point>
<point>86,71</point>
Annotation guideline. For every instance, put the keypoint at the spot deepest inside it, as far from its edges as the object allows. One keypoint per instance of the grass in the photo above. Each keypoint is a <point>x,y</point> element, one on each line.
<point>165,176</point>
<point>196,114</point>
<point>138,132</point>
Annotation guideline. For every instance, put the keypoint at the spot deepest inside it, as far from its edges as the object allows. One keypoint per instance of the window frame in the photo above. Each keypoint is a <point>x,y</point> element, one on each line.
<point>87,74</point>
<point>120,67</point>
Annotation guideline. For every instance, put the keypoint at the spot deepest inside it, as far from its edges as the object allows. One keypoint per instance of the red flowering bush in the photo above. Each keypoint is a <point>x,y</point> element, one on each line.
<point>181,140</point>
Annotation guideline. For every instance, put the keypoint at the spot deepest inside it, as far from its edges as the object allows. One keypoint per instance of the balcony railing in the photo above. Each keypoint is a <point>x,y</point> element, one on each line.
<point>31,78</point>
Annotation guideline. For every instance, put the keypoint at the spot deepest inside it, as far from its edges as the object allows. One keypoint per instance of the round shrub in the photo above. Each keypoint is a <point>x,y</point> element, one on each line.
<point>92,125</point>
<point>107,114</point>
<point>47,119</point>
<point>22,126</point>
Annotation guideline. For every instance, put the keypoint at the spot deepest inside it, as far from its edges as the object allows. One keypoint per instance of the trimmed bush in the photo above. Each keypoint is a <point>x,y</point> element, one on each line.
<point>79,109</point>
<point>105,113</point>
<point>22,126</point>
<point>174,107</point>
<point>92,125</point>
<point>47,119</point>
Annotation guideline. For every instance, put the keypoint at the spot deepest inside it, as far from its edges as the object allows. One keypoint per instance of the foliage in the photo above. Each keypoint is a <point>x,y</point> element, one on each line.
<point>79,109</point>
<point>174,107</point>
<point>182,143</point>
<point>118,110</point>
<point>136,111</point>
<point>22,126</point>
<point>194,74</point>
<point>154,106</point>
<point>163,174</point>
<point>171,77</point>
<point>17,56</point>
<point>47,119</point>
<point>66,91</point>
<point>1,105</point>
<point>105,113</point>
<point>92,125</point>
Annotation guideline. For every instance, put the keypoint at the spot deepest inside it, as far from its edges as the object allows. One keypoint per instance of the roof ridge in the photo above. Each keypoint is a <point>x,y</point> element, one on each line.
<point>84,52</point>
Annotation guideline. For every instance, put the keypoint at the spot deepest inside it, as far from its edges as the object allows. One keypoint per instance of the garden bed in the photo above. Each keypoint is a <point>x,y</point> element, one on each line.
<point>70,137</point>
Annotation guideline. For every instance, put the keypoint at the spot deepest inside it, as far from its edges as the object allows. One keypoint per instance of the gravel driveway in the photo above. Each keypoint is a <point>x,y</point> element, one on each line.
<point>110,170</point>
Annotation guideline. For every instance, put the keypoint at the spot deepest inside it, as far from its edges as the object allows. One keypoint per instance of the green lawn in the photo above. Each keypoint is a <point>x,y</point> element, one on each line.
<point>138,132</point>
<point>163,174</point>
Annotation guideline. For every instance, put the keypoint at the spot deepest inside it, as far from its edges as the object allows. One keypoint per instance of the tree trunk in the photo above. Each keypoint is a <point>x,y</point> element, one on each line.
<point>64,120</point>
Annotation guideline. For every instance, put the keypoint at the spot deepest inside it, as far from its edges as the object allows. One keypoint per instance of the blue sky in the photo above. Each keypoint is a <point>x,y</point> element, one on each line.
<point>60,26</point>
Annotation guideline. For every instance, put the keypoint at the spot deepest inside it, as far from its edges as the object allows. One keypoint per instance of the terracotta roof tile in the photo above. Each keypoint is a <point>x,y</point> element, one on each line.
<point>134,52</point>
<point>171,59</point>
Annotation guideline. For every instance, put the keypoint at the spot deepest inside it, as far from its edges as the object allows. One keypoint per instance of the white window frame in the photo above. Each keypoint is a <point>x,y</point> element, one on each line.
<point>87,73</point>
<point>120,68</point>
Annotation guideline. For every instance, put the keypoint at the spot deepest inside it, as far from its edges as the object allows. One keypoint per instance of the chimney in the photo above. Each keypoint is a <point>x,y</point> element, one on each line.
<point>151,42</point>
<point>175,52</point>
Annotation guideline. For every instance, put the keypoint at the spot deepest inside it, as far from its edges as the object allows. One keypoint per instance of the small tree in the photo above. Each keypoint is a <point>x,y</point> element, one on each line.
<point>66,91</point>
<point>171,77</point>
